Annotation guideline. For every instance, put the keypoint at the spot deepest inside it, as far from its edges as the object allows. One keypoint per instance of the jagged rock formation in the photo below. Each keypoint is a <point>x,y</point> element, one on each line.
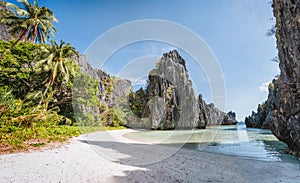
<point>110,89</point>
<point>112,94</point>
<point>170,101</point>
<point>258,119</point>
<point>285,122</point>
<point>229,119</point>
<point>210,115</point>
<point>263,116</point>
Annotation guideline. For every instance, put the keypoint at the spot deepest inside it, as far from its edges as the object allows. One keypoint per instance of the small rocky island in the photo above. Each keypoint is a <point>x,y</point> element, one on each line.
<point>169,101</point>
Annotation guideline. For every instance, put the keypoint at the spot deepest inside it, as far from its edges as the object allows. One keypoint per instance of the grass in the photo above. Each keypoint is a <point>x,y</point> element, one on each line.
<point>14,139</point>
<point>115,128</point>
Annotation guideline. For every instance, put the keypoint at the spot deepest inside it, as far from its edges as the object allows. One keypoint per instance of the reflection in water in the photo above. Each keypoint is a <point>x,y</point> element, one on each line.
<point>237,140</point>
<point>242,133</point>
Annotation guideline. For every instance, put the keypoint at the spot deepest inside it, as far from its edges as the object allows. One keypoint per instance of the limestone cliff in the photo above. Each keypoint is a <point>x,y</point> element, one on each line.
<point>285,122</point>
<point>210,115</point>
<point>169,100</point>
<point>263,116</point>
<point>112,93</point>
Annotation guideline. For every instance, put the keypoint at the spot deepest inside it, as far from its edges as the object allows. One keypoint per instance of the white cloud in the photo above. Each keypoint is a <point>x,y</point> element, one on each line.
<point>264,87</point>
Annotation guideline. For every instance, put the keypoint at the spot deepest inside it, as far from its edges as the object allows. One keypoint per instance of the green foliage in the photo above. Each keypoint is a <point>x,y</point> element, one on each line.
<point>85,101</point>
<point>113,117</point>
<point>16,68</point>
<point>44,97</point>
<point>30,22</point>
<point>136,102</point>
<point>108,85</point>
<point>22,85</point>
<point>41,131</point>
<point>7,101</point>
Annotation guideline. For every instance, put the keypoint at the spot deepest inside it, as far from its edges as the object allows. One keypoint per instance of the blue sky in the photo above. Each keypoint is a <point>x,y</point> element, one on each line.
<point>233,29</point>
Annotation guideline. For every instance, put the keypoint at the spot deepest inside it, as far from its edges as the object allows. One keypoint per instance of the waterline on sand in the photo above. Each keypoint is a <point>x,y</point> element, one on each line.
<point>249,143</point>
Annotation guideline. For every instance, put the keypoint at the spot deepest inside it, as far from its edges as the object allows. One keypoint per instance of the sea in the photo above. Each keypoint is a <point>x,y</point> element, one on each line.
<point>235,140</point>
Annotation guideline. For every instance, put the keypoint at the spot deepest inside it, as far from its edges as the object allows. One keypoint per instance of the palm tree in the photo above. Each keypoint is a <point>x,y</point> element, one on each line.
<point>59,61</point>
<point>31,22</point>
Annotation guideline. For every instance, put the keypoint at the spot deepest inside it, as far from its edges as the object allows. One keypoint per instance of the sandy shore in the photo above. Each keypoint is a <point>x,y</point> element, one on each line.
<point>110,157</point>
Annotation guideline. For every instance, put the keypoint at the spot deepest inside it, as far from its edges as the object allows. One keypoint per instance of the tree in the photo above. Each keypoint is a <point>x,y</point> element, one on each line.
<point>30,23</point>
<point>59,61</point>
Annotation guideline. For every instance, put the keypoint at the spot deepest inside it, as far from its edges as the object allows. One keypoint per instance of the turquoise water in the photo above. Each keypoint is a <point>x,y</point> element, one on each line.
<point>236,140</point>
<point>249,143</point>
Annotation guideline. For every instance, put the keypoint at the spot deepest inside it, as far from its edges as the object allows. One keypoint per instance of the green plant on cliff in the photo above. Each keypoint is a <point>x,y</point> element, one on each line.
<point>107,81</point>
<point>136,102</point>
<point>85,89</point>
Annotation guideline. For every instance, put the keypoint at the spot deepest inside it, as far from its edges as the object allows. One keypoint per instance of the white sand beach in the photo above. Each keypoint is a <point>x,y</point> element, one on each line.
<point>110,157</point>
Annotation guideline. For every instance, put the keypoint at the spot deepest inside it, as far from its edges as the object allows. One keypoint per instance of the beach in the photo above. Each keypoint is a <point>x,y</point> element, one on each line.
<point>110,157</point>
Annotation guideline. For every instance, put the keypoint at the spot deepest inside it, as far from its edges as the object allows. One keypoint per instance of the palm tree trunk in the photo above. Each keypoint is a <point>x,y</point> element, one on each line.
<point>35,34</point>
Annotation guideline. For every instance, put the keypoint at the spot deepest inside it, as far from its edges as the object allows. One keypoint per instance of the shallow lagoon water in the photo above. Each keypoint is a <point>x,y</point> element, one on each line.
<point>236,140</point>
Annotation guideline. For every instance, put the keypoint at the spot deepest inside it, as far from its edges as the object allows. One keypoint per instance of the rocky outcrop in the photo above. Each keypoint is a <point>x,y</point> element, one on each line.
<point>285,121</point>
<point>4,34</point>
<point>169,100</point>
<point>110,89</point>
<point>229,119</point>
<point>112,94</point>
<point>263,116</point>
<point>210,115</point>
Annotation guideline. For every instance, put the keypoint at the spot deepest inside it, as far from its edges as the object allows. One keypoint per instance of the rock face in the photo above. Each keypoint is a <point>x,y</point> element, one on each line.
<point>112,93</point>
<point>210,115</point>
<point>4,34</point>
<point>229,119</point>
<point>170,101</point>
<point>285,122</point>
<point>263,116</point>
<point>110,89</point>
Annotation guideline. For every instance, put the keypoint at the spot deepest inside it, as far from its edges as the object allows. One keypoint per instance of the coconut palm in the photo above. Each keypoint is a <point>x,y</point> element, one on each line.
<point>59,59</point>
<point>59,62</point>
<point>31,22</point>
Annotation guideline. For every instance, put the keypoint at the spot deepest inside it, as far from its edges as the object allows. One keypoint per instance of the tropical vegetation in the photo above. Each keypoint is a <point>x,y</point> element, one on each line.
<point>41,86</point>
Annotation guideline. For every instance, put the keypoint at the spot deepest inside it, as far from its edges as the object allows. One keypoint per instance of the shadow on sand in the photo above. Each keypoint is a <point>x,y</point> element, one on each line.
<point>172,163</point>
